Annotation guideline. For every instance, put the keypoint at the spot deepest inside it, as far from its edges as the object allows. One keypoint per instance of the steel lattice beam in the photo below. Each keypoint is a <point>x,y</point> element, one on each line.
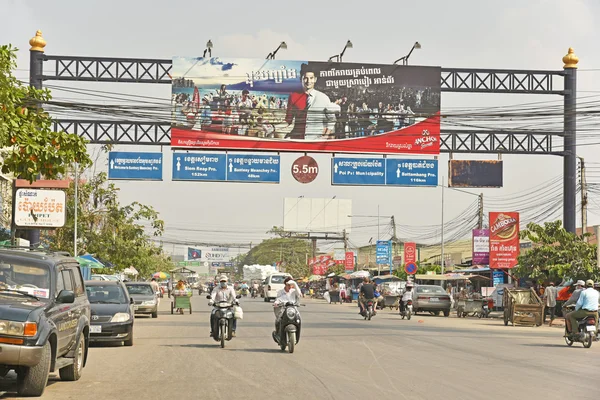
<point>501,81</point>
<point>452,141</point>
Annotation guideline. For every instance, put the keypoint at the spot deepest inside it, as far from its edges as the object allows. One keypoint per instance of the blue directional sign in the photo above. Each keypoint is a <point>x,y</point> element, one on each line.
<point>253,168</point>
<point>383,252</point>
<point>135,166</point>
<point>199,167</point>
<point>357,171</point>
<point>411,172</point>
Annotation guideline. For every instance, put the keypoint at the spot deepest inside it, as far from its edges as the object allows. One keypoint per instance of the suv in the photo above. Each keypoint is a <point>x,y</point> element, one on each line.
<point>44,318</point>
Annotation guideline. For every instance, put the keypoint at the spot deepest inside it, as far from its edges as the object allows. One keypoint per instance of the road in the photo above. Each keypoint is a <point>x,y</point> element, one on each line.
<point>340,356</point>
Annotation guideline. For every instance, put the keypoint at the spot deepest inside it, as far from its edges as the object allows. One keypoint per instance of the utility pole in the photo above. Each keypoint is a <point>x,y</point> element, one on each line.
<point>584,200</point>
<point>480,221</point>
<point>442,233</point>
<point>570,142</point>
<point>345,242</point>
<point>76,207</point>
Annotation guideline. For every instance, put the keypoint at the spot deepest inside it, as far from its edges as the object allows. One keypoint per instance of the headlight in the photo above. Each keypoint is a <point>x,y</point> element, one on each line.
<point>13,328</point>
<point>149,303</point>
<point>120,317</point>
<point>291,313</point>
<point>229,314</point>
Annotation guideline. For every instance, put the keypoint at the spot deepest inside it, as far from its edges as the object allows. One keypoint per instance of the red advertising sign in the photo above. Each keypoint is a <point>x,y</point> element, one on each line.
<point>504,239</point>
<point>349,262</point>
<point>410,252</point>
<point>305,106</point>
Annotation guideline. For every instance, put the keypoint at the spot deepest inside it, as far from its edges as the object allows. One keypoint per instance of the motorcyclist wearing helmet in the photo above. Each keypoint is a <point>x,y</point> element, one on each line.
<point>406,296</point>
<point>587,305</point>
<point>222,293</point>
<point>291,293</point>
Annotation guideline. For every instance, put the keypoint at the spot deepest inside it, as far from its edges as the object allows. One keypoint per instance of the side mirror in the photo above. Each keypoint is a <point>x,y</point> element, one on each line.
<point>66,297</point>
<point>131,300</point>
<point>208,297</point>
<point>239,296</point>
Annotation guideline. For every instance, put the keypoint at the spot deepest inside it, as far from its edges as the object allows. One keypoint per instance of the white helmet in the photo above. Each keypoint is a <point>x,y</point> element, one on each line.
<point>223,278</point>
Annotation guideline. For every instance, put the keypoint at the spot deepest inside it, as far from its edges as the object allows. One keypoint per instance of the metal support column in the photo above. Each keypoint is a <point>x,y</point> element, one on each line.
<point>570,142</point>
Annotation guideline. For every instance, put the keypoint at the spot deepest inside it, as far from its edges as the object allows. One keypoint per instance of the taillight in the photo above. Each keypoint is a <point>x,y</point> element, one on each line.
<point>269,287</point>
<point>422,298</point>
<point>409,302</point>
<point>445,298</point>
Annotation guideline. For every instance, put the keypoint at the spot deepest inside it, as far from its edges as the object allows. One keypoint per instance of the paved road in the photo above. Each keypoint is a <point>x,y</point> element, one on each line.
<point>340,356</point>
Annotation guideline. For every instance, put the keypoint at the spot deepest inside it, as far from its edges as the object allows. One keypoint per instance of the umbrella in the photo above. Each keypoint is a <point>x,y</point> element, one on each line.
<point>86,262</point>
<point>360,274</point>
<point>331,275</point>
<point>161,275</point>
<point>313,278</point>
<point>130,271</point>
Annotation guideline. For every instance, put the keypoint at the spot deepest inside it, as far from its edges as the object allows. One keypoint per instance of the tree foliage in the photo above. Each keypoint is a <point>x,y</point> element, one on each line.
<point>112,232</point>
<point>556,254</point>
<point>30,147</point>
<point>292,252</point>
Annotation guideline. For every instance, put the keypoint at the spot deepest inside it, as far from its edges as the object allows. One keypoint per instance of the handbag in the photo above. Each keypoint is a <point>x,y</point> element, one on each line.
<point>238,312</point>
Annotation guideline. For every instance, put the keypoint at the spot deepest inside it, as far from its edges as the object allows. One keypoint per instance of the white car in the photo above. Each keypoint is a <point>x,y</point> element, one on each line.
<point>273,284</point>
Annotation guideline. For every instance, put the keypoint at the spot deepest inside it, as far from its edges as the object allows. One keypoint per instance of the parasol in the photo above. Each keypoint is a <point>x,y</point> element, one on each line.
<point>161,275</point>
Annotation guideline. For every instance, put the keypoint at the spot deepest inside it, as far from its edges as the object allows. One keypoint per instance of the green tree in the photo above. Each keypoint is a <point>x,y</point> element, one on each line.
<point>556,254</point>
<point>29,145</point>
<point>292,252</point>
<point>113,232</point>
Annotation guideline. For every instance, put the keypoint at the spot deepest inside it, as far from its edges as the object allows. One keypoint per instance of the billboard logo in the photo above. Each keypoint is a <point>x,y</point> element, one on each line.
<point>194,254</point>
<point>504,227</point>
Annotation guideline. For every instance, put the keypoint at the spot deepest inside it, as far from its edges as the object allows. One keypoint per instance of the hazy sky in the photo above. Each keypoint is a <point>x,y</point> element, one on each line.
<point>473,33</point>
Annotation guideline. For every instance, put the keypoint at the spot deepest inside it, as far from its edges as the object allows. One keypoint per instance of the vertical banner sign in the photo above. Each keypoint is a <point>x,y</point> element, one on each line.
<point>498,278</point>
<point>410,252</point>
<point>481,246</point>
<point>339,255</point>
<point>504,239</point>
<point>383,252</point>
<point>349,261</point>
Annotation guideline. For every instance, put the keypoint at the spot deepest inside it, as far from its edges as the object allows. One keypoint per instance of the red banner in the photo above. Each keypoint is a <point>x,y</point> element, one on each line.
<point>504,239</point>
<point>410,252</point>
<point>349,262</point>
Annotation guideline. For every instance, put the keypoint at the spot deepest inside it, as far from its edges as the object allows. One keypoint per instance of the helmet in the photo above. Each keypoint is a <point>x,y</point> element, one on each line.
<point>223,278</point>
<point>589,283</point>
<point>580,283</point>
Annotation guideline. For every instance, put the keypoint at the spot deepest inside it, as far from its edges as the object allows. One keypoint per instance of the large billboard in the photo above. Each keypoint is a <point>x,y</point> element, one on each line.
<point>504,239</point>
<point>302,214</point>
<point>475,173</point>
<point>305,106</point>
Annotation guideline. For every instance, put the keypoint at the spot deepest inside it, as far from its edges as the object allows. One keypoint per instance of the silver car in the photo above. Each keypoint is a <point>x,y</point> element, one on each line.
<point>431,298</point>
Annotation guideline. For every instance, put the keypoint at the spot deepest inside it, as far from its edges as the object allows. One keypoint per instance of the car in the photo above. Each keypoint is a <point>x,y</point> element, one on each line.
<point>145,300</point>
<point>431,298</point>
<point>273,284</point>
<point>44,318</point>
<point>112,314</point>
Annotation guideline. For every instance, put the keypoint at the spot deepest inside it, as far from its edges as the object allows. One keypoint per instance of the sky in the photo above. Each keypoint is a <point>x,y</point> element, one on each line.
<point>532,35</point>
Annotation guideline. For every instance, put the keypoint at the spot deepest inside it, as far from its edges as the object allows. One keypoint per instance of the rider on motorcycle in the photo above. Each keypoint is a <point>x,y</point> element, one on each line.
<point>367,293</point>
<point>291,293</point>
<point>586,306</point>
<point>222,293</point>
<point>406,296</point>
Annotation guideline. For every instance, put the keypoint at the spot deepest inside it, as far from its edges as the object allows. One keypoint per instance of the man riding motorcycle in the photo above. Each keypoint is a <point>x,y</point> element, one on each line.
<point>406,296</point>
<point>222,293</point>
<point>586,306</point>
<point>291,293</point>
<point>367,293</point>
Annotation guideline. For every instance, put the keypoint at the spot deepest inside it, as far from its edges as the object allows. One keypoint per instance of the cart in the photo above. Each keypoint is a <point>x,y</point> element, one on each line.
<point>183,301</point>
<point>522,307</point>
<point>466,307</point>
<point>334,296</point>
<point>391,301</point>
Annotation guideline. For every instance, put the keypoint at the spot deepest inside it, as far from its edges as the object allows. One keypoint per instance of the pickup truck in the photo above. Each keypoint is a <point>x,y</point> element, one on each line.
<point>44,318</point>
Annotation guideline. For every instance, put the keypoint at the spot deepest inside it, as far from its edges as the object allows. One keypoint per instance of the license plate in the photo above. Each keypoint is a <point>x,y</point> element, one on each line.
<point>95,329</point>
<point>591,328</point>
<point>434,299</point>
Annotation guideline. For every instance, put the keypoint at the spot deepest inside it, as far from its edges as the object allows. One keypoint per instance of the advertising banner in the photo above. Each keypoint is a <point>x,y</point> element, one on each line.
<point>410,252</point>
<point>481,246</point>
<point>37,208</point>
<point>504,239</point>
<point>305,106</point>
<point>349,262</point>
<point>383,252</point>
<point>339,254</point>
<point>194,254</point>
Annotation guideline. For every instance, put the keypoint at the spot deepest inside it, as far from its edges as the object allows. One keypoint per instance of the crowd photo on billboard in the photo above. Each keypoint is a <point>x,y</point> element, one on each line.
<point>273,100</point>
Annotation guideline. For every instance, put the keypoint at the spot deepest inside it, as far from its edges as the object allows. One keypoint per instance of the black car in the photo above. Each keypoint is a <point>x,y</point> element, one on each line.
<point>44,318</point>
<point>112,312</point>
<point>145,300</point>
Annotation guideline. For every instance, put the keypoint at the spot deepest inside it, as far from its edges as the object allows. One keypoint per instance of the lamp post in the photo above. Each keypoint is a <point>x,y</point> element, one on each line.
<point>282,45</point>
<point>404,59</point>
<point>209,46</point>
<point>338,57</point>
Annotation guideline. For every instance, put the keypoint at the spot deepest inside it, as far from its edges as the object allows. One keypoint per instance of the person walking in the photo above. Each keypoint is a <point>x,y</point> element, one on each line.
<point>550,295</point>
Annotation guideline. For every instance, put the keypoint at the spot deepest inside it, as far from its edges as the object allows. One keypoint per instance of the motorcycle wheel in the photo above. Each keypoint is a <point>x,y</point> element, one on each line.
<point>402,314</point>
<point>222,336</point>
<point>283,344</point>
<point>369,313</point>
<point>587,341</point>
<point>408,315</point>
<point>568,340</point>
<point>291,341</point>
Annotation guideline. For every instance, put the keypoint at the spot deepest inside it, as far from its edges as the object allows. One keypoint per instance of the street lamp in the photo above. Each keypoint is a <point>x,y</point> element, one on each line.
<point>282,45</point>
<point>209,46</point>
<point>338,57</point>
<point>404,59</point>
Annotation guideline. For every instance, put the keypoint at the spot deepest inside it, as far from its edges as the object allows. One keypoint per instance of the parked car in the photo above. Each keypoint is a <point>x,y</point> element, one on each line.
<point>44,318</point>
<point>112,314</point>
<point>431,298</point>
<point>144,299</point>
<point>274,283</point>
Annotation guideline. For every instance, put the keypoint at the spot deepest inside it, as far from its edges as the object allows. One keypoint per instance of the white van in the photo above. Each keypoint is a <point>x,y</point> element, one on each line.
<point>274,283</point>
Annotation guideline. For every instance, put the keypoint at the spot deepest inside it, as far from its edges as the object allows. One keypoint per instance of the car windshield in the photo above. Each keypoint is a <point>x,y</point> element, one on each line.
<point>110,294</point>
<point>28,278</point>
<point>140,289</point>
<point>430,289</point>
<point>277,279</point>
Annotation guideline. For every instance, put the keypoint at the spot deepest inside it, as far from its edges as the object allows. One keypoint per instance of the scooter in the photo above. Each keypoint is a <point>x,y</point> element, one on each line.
<point>586,330</point>
<point>244,292</point>
<point>224,314</point>
<point>287,333</point>
<point>253,293</point>
<point>368,311</point>
<point>408,310</point>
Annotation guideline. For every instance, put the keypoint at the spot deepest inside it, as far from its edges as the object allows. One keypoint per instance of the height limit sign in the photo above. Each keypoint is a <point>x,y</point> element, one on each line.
<point>305,169</point>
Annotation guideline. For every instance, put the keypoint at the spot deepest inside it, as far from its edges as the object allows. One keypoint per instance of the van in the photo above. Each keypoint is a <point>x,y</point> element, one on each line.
<point>274,283</point>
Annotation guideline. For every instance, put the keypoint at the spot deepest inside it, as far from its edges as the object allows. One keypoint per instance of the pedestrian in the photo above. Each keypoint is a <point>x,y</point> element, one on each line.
<point>169,287</point>
<point>155,289</point>
<point>550,294</point>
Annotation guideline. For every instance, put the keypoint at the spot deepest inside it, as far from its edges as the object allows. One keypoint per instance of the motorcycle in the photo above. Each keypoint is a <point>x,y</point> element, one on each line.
<point>244,292</point>
<point>408,310</point>
<point>224,315</point>
<point>253,293</point>
<point>485,310</point>
<point>586,331</point>
<point>287,333</point>
<point>368,311</point>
